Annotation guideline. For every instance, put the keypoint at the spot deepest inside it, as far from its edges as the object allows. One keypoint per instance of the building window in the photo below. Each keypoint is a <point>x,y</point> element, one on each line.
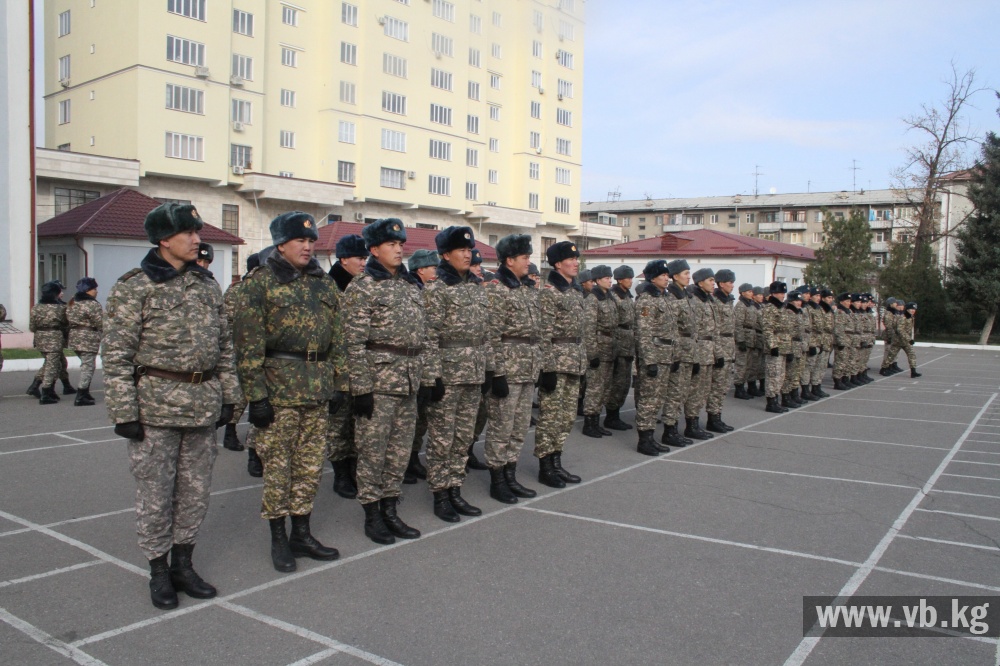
<point>347,92</point>
<point>242,112</point>
<point>348,14</point>
<point>346,131</point>
<point>394,65</point>
<point>535,140</point>
<point>287,97</point>
<point>287,139</point>
<point>536,110</point>
<point>493,238</point>
<point>536,49</point>
<point>394,103</point>
<point>497,19</point>
<point>567,5</point>
<point>67,199</point>
<point>880,260</point>
<point>472,157</point>
<point>495,81</point>
<point>771,217</point>
<point>566,30</point>
<point>751,218</point>
<point>345,172</point>
<point>884,214</point>
<point>394,178</point>
<point>533,201</point>
<point>494,145</point>
<point>185,147</point>
<point>348,53</point>
<point>537,20</point>
<point>440,114</point>
<point>496,50</point>
<point>474,58</point>
<point>472,191</point>
<point>190,8</point>
<point>562,205</point>
<point>240,156</point>
<point>564,117</point>
<point>242,67</point>
<point>565,88</point>
<point>64,111</point>
<point>533,170</point>
<point>472,124</point>
<point>475,24</point>
<point>694,219</point>
<point>444,10</point>
<point>396,29</point>
<point>439,185</point>
<point>881,236</point>
<point>441,79</point>
<point>536,79</point>
<point>443,45</point>
<point>64,23</point>
<point>185,51</point>
<point>64,68</point>
<point>289,57</point>
<point>494,176</point>
<point>818,216</point>
<point>231,225</point>
<point>393,140</point>
<point>626,221</point>
<point>564,147</point>
<point>795,237</point>
<point>243,22</point>
<point>474,90</point>
<point>563,176</point>
<point>818,237</point>
<point>190,100</point>
<point>289,16</point>
<point>564,58</point>
<point>494,112</point>
<point>440,150</point>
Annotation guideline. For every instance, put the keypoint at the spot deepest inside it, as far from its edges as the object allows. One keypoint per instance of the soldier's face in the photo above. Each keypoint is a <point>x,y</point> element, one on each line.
<point>587,286</point>
<point>389,254</point>
<point>427,274</point>
<point>828,300</point>
<point>748,294</point>
<point>298,251</point>
<point>780,297</point>
<point>353,265</point>
<point>570,267</point>
<point>727,287</point>
<point>518,265</point>
<point>459,258</point>
<point>625,283</point>
<point>707,285</point>
<point>204,263</point>
<point>92,293</point>
<point>661,280</point>
<point>477,270</point>
<point>683,278</point>
<point>816,299</point>
<point>182,247</point>
<point>604,283</point>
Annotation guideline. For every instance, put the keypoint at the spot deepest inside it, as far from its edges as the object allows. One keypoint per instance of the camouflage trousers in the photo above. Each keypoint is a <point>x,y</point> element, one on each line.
<point>678,389</point>
<point>889,353</point>
<point>722,379</point>
<point>556,414</point>
<point>451,423</point>
<point>793,373</point>
<point>650,396</point>
<point>815,369</point>
<point>420,428</point>
<point>292,451</point>
<point>866,354</point>
<point>384,442</point>
<point>775,375</point>
<point>56,367</point>
<point>743,368</point>
<point>843,362</point>
<point>482,414</point>
<point>88,361</point>
<point>598,387</point>
<point>758,365</point>
<point>621,382</point>
<point>340,433</point>
<point>508,423</point>
<point>172,468</point>
<point>238,408</point>
<point>911,355</point>
<point>697,396</point>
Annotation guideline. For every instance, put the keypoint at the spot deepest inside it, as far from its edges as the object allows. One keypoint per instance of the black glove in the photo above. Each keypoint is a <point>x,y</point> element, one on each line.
<point>226,415</point>
<point>742,346</point>
<point>720,362</point>
<point>789,358</point>
<point>840,347</point>
<point>424,395</point>
<point>337,401</point>
<point>595,362</point>
<point>675,366</point>
<point>364,405</point>
<point>695,369</point>
<point>813,351</point>
<point>131,430</point>
<point>438,392</point>
<point>547,382</point>
<point>627,360</point>
<point>912,342</point>
<point>652,370</point>
<point>261,413</point>
<point>486,385</point>
<point>499,387</point>
<point>774,352</point>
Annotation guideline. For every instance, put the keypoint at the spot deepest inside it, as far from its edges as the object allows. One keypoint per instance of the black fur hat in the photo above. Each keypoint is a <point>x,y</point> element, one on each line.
<point>86,284</point>
<point>206,252</point>
<point>624,273</point>
<point>454,238</point>
<point>655,268</point>
<point>533,269</point>
<point>477,257</point>
<point>292,225</point>
<point>171,218</point>
<point>351,245</point>
<point>778,287</point>
<point>51,290</point>
<point>561,250</point>
<point>513,246</point>
<point>725,275</point>
<point>384,230</point>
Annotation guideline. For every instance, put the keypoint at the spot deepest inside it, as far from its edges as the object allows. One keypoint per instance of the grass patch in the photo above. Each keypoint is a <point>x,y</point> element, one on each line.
<point>12,354</point>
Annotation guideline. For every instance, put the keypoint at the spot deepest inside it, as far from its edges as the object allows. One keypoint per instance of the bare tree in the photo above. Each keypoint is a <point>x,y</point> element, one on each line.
<point>944,137</point>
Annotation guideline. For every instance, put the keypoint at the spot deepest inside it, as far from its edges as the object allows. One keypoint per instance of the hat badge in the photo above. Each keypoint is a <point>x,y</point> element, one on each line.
<point>468,235</point>
<point>194,213</point>
<point>395,227</point>
<point>572,248</point>
<point>307,224</point>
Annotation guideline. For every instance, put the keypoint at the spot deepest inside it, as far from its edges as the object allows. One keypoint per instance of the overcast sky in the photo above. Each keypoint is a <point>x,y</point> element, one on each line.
<point>685,98</point>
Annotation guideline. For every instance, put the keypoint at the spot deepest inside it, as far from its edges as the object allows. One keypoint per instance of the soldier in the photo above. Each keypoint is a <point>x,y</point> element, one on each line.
<point>386,335</point>
<point>624,345</point>
<point>891,345</point>
<point>48,323</point>
<point>701,289</point>
<point>586,282</point>
<point>743,334</point>
<point>869,330</point>
<point>598,338</point>
<point>755,386</point>
<point>725,350</point>
<point>843,340</point>
<point>777,338</point>
<point>686,365</point>
<point>169,383</point>
<point>898,313</point>
<point>822,339</point>
<point>905,328</point>
<point>534,276</point>
<point>857,313</point>
<point>206,255</point>
<point>797,323</point>
<point>564,360</point>
<point>515,329</point>
<point>288,335</point>
<point>423,264</point>
<point>477,265</point>
<point>655,332</point>
<point>85,317</point>
<point>456,305</point>
<point>61,364</point>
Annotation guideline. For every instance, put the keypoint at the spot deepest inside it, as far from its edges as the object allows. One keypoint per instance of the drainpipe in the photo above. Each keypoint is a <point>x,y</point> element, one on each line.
<point>31,148</point>
<point>86,258</point>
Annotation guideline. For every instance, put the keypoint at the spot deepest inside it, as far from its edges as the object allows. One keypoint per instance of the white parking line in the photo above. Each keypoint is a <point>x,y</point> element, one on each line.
<point>771,471</point>
<point>976,462</point>
<point>969,476</point>
<point>61,446</point>
<point>879,417</point>
<point>960,515</point>
<point>958,492</point>
<point>315,658</point>
<point>53,572</point>
<point>913,402</point>
<point>949,543</point>
<point>56,432</point>
<point>841,439</point>
<point>36,634</point>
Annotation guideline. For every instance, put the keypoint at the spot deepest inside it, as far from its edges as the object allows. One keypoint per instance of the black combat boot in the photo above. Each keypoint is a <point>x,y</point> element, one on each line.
<point>786,401</point>
<point>443,508</point>
<point>597,423</point>
<point>590,427</point>
<point>183,576</point>
<point>647,446</point>
<point>613,420</point>
<point>460,505</point>
<point>864,378</point>
<point>499,490</point>
<point>33,390</point>
<point>838,384</point>
<point>563,473</point>
<point>673,438</point>
<point>49,396</point>
<point>914,374</point>
<point>161,590</point>
<point>281,554</point>
<point>757,389</point>
<point>694,430</point>
<point>885,371</point>
<point>230,440</point>
<point>255,467</point>
<point>393,522</point>
<point>83,398</point>
<point>473,462</point>
<point>895,367</point>
<point>774,407</point>
<point>547,473</point>
<point>343,479</point>
<point>794,395</point>
<point>303,544</point>
<point>67,387</point>
<point>817,390</point>
<point>510,473</point>
<point>375,528</point>
<point>414,468</point>
<point>806,394</point>
<point>741,393</point>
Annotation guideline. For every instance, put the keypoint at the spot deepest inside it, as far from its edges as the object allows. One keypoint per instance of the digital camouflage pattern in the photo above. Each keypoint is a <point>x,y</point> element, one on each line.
<point>869,333</point>
<point>507,424</point>
<point>85,318</point>
<point>292,451</point>
<point>904,337</point>
<point>745,337</point>
<point>844,342</point>
<point>598,337</point>
<point>231,301</point>
<point>777,335</point>
<point>686,352</point>
<point>755,362</point>
<point>450,426</point>
<point>706,332</point>
<point>655,332</point>
<point>384,446</point>
<point>797,321</point>
<point>624,342</point>
<point>725,348</point>
<point>556,414</point>
<point>891,348</point>
<point>161,318</point>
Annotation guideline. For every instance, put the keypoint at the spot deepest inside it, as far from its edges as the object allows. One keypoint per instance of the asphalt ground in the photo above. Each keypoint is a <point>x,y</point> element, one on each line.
<point>701,556</point>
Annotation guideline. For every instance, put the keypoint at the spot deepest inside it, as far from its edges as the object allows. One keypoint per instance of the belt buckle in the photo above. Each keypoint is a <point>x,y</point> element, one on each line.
<point>196,377</point>
<point>140,370</point>
<point>312,356</point>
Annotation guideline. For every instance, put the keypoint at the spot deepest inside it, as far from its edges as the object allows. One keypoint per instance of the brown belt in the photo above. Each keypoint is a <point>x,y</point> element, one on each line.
<point>663,341</point>
<point>393,349</point>
<point>566,341</point>
<point>460,343</point>
<point>706,337</point>
<point>726,335</point>
<point>311,356</point>
<point>85,328</point>
<point>627,327</point>
<point>185,377</point>
<point>607,335</point>
<point>519,340</point>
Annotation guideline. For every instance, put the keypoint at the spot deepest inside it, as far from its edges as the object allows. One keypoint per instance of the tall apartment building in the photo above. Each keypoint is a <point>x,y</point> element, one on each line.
<point>436,111</point>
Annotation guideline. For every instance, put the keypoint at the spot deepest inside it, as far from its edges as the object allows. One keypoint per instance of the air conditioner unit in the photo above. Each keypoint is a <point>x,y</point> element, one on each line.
<point>201,72</point>
<point>237,126</point>
<point>65,83</point>
<point>491,203</point>
<point>236,80</point>
<point>238,170</point>
<point>559,97</point>
<point>381,20</point>
<point>541,90</point>
<point>437,54</point>
<point>411,174</point>
<point>360,217</point>
<point>560,37</point>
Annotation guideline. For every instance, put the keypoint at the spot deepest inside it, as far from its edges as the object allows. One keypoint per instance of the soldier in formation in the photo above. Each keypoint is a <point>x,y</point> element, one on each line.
<point>798,325</point>
<point>423,264</point>
<point>899,337</point>
<point>777,337</point>
<point>51,316</point>
<point>744,314</point>
<point>598,336</point>
<point>725,350</point>
<point>624,348</point>
<point>701,289</point>
<point>687,354</point>
<point>655,336</point>
<point>821,320</point>
<point>85,318</point>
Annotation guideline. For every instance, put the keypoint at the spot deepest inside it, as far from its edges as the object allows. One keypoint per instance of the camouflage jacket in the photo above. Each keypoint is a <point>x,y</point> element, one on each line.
<point>602,322</point>
<point>888,326</point>
<point>655,326</point>
<point>904,329</point>
<point>624,340</point>
<point>685,342</point>
<point>798,323</point>
<point>515,314</point>
<point>843,328</point>
<point>48,323</point>
<point>161,318</point>
<point>758,326</point>
<point>231,299</point>
<point>85,316</point>
<point>743,322</point>
<point>386,310</point>
<point>705,325</point>
<point>776,331</point>
<point>858,337</point>
<point>282,309</point>
<point>457,312</point>
<point>823,326</point>
<point>725,326</point>
<point>563,320</point>
<point>869,327</point>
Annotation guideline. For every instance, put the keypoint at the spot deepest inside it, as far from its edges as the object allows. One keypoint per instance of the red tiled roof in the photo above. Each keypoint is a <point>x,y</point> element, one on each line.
<point>701,243</point>
<point>118,215</point>
<point>416,239</point>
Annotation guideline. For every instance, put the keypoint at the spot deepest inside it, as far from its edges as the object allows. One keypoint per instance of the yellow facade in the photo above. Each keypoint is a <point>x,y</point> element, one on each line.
<point>343,62</point>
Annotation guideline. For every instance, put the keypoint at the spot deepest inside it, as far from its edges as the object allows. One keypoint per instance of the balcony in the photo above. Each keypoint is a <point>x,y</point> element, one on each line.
<point>794,226</point>
<point>880,246</point>
<point>880,224</point>
<point>769,227</point>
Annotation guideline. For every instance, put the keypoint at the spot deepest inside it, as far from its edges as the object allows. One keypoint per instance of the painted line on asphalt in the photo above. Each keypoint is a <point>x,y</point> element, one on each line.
<point>808,643</point>
<point>75,439</point>
<point>841,439</point>
<point>976,462</point>
<point>959,492</point>
<point>961,544</point>
<point>969,476</point>
<point>806,476</point>
<point>912,402</point>
<point>58,432</point>
<point>315,658</point>
<point>53,572</point>
<point>61,446</point>
<point>36,634</point>
<point>890,418</point>
<point>935,391</point>
<point>960,515</point>
<point>13,532</point>
<point>938,579</point>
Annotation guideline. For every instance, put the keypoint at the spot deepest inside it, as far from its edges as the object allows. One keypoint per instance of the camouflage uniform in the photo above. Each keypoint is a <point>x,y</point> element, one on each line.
<point>843,339</point>
<point>598,339</point>
<point>288,336</point>
<point>85,317</point>
<point>797,321</point>
<point>159,319</point>
<point>725,348</point>
<point>857,359</point>
<point>705,329</point>
<point>231,301</point>
<point>869,328</point>
<point>777,336</point>
<point>563,322</point>
<point>385,333</point>
<point>904,337</point>
<point>624,344</point>
<point>743,334</point>
<point>456,306</point>
<point>515,328</point>
<point>48,323</point>
<point>822,339</point>
<point>340,434</point>
<point>758,367</point>
<point>655,335</point>
<point>890,338</point>
<point>686,353</point>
